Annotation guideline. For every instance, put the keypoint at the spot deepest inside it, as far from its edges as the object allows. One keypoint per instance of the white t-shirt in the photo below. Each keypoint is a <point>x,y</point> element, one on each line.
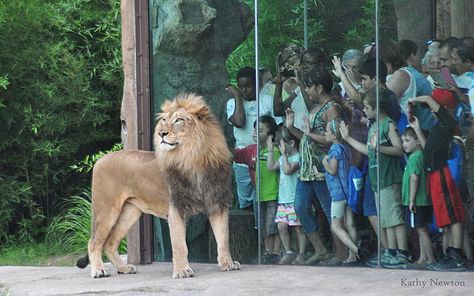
<point>287,186</point>
<point>266,108</point>
<point>243,135</point>
<point>299,107</point>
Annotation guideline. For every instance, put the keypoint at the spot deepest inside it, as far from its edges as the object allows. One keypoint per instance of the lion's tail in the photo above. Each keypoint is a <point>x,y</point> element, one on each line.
<point>82,262</point>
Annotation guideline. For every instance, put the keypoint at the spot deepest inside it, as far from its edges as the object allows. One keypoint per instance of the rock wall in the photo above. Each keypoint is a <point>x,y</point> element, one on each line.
<point>191,40</point>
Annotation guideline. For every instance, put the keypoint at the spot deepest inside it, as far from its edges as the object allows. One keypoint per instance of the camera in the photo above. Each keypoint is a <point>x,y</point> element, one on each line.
<point>288,73</point>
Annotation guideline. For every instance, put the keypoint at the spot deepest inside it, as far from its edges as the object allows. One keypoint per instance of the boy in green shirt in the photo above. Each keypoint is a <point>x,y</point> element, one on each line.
<point>418,209</point>
<point>269,182</point>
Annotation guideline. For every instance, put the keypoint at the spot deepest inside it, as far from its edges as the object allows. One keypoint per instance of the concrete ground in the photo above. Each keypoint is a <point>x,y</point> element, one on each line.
<point>155,279</point>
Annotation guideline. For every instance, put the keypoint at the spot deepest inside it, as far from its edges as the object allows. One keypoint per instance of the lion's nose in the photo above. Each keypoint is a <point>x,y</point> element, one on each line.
<point>163,134</point>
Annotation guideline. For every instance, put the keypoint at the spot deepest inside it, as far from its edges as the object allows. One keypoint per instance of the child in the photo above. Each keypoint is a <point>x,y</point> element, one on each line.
<point>390,207</point>
<point>288,164</point>
<point>241,114</point>
<point>268,184</point>
<point>336,163</point>
<point>445,196</point>
<point>418,209</point>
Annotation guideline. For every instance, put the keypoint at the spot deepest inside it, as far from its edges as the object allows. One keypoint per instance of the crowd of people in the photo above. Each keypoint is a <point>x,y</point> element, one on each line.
<point>339,142</point>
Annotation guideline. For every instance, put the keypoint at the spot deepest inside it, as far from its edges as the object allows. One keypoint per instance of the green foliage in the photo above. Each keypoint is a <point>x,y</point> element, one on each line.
<point>60,92</point>
<point>39,254</point>
<point>71,229</point>
<point>87,163</point>
<point>333,25</point>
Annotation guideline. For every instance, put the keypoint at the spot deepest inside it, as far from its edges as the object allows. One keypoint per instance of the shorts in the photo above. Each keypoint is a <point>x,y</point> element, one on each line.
<point>286,214</point>
<point>422,218</point>
<point>390,209</point>
<point>338,209</point>
<point>368,203</point>
<point>267,217</point>
<point>447,204</point>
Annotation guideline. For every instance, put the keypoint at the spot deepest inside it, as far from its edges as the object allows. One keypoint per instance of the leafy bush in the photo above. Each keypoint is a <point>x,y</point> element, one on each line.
<point>333,25</point>
<point>60,92</point>
<point>87,163</point>
<point>71,227</point>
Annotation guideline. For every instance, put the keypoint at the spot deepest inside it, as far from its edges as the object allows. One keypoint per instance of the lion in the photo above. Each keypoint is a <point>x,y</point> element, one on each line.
<point>189,173</point>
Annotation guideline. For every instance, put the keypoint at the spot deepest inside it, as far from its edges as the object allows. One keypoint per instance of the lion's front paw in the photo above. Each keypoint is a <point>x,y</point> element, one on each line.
<point>127,269</point>
<point>229,265</point>
<point>183,272</point>
<point>100,272</point>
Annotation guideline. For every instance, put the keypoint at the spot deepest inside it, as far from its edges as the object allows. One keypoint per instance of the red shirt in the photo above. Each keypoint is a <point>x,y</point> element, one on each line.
<point>248,156</point>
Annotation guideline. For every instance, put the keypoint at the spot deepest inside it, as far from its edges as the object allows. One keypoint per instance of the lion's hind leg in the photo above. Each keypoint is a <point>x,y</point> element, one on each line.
<point>127,218</point>
<point>103,221</point>
<point>220,226</point>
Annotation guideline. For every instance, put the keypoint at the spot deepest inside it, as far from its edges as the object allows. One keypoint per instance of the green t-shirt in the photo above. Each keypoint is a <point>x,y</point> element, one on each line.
<point>269,180</point>
<point>390,170</point>
<point>415,166</point>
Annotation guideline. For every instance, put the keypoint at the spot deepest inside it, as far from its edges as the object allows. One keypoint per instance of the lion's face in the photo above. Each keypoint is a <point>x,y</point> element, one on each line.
<point>172,129</point>
<point>188,136</point>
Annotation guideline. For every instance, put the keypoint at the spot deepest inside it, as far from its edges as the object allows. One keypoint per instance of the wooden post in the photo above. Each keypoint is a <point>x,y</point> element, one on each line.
<point>462,18</point>
<point>414,20</point>
<point>443,19</point>
<point>136,110</point>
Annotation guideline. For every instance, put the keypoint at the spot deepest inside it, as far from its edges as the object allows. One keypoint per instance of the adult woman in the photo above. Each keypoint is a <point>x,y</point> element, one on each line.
<point>299,101</point>
<point>311,186</point>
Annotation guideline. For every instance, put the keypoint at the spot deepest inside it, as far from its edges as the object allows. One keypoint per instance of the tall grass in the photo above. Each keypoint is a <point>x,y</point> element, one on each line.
<point>36,254</point>
<point>71,229</point>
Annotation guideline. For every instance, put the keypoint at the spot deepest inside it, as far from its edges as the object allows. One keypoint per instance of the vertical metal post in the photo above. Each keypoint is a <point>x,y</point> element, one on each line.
<point>257,98</point>
<point>305,24</point>
<point>377,93</point>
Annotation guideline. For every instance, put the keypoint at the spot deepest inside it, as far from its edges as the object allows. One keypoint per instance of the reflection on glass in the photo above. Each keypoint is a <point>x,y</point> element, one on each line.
<point>335,104</point>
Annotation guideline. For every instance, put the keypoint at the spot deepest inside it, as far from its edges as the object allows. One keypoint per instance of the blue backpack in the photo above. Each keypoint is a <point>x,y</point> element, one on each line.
<point>355,188</point>
<point>456,160</point>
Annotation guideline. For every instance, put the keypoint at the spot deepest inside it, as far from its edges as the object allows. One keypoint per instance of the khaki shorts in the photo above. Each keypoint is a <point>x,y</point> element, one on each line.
<point>390,209</point>
<point>338,209</point>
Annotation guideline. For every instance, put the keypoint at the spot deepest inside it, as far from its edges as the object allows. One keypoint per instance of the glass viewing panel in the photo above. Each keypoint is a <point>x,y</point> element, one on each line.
<point>332,121</point>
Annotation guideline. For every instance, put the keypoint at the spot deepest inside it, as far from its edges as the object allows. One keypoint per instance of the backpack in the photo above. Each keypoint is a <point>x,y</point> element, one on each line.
<point>456,160</point>
<point>355,188</point>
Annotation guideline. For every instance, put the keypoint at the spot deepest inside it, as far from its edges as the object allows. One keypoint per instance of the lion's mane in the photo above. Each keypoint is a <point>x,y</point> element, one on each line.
<point>199,168</point>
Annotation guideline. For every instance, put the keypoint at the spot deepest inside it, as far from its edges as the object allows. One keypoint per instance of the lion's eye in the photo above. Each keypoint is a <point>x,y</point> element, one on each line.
<point>178,121</point>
